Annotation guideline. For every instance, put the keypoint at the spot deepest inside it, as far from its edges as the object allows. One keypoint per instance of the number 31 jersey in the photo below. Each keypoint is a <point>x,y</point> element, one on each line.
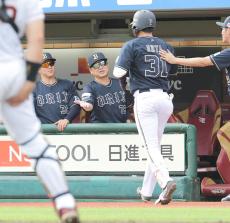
<point>140,57</point>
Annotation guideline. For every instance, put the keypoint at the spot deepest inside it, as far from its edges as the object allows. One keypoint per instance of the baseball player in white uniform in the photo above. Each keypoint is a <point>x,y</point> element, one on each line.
<point>17,80</point>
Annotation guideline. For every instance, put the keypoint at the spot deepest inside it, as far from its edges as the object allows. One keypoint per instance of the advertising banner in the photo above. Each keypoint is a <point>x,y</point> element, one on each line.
<point>97,153</point>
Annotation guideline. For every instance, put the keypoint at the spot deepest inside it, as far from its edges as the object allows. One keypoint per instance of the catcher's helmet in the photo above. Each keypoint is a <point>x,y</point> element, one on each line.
<point>143,19</point>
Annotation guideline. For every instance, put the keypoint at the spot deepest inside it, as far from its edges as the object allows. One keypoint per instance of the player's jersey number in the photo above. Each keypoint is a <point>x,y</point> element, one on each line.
<point>157,67</point>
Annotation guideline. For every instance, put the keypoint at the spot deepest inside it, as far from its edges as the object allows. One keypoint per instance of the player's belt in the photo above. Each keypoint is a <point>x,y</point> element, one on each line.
<point>149,89</point>
<point>144,90</point>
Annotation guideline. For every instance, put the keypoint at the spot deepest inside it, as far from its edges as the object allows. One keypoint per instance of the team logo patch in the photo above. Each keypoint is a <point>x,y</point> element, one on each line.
<point>150,22</point>
<point>95,56</point>
<point>86,96</point>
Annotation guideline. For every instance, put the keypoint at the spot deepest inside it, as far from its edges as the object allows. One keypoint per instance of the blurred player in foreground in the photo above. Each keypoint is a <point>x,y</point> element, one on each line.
<point>220,59</point>
<point>152,106</point>
<point>18,75</point>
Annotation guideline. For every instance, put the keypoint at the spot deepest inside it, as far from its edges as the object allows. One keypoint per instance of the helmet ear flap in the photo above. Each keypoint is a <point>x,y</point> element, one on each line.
<point>135,31</point>
<point>132,25</point>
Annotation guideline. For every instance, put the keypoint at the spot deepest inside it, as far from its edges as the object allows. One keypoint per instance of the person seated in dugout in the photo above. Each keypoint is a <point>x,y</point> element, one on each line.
<point>53,97</point>
<point>103,97</point>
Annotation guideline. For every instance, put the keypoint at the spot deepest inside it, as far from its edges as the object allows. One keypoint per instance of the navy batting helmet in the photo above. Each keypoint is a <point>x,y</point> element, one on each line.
<point>143,19</point>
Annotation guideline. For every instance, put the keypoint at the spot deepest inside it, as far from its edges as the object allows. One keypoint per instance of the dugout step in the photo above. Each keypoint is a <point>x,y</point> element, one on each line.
<point>95,187</point>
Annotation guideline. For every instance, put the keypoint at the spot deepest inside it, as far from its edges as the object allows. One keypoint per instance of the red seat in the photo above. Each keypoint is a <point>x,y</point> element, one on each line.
<point>208,186</point>
<point>205,114</point>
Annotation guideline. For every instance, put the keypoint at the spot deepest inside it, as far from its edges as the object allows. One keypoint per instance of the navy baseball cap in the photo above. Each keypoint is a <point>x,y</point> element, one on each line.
<point>47,56</point>
<point>225,24</point>
<point>95,57</point>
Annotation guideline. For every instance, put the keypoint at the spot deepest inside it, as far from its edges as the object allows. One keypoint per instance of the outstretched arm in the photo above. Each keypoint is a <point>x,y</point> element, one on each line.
<point>192,62</point>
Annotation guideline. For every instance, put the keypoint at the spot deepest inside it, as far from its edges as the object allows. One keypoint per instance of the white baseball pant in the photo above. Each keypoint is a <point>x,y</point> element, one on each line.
<point>152,110</point>
<point>24,127</point>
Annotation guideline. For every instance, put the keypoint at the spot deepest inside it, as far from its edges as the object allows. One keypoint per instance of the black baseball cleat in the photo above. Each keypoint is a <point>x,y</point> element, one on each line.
<point>143,198</point>
<point>68,215</point>
<point>166,195</point>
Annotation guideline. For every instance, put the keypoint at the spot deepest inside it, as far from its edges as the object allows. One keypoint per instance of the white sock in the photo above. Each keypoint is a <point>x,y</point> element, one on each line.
<point>65,201</point>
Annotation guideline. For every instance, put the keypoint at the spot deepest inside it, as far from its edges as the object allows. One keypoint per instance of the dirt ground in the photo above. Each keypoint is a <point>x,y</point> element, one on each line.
<point>121,204</point>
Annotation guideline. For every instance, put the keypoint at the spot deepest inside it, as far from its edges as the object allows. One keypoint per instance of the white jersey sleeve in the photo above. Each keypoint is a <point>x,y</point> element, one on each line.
<point>34,10</point>
<point>23,12</point>
<point>27,11</point>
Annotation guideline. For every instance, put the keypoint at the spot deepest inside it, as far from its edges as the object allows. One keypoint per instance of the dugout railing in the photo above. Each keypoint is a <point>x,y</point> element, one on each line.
<point>105,184</point>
